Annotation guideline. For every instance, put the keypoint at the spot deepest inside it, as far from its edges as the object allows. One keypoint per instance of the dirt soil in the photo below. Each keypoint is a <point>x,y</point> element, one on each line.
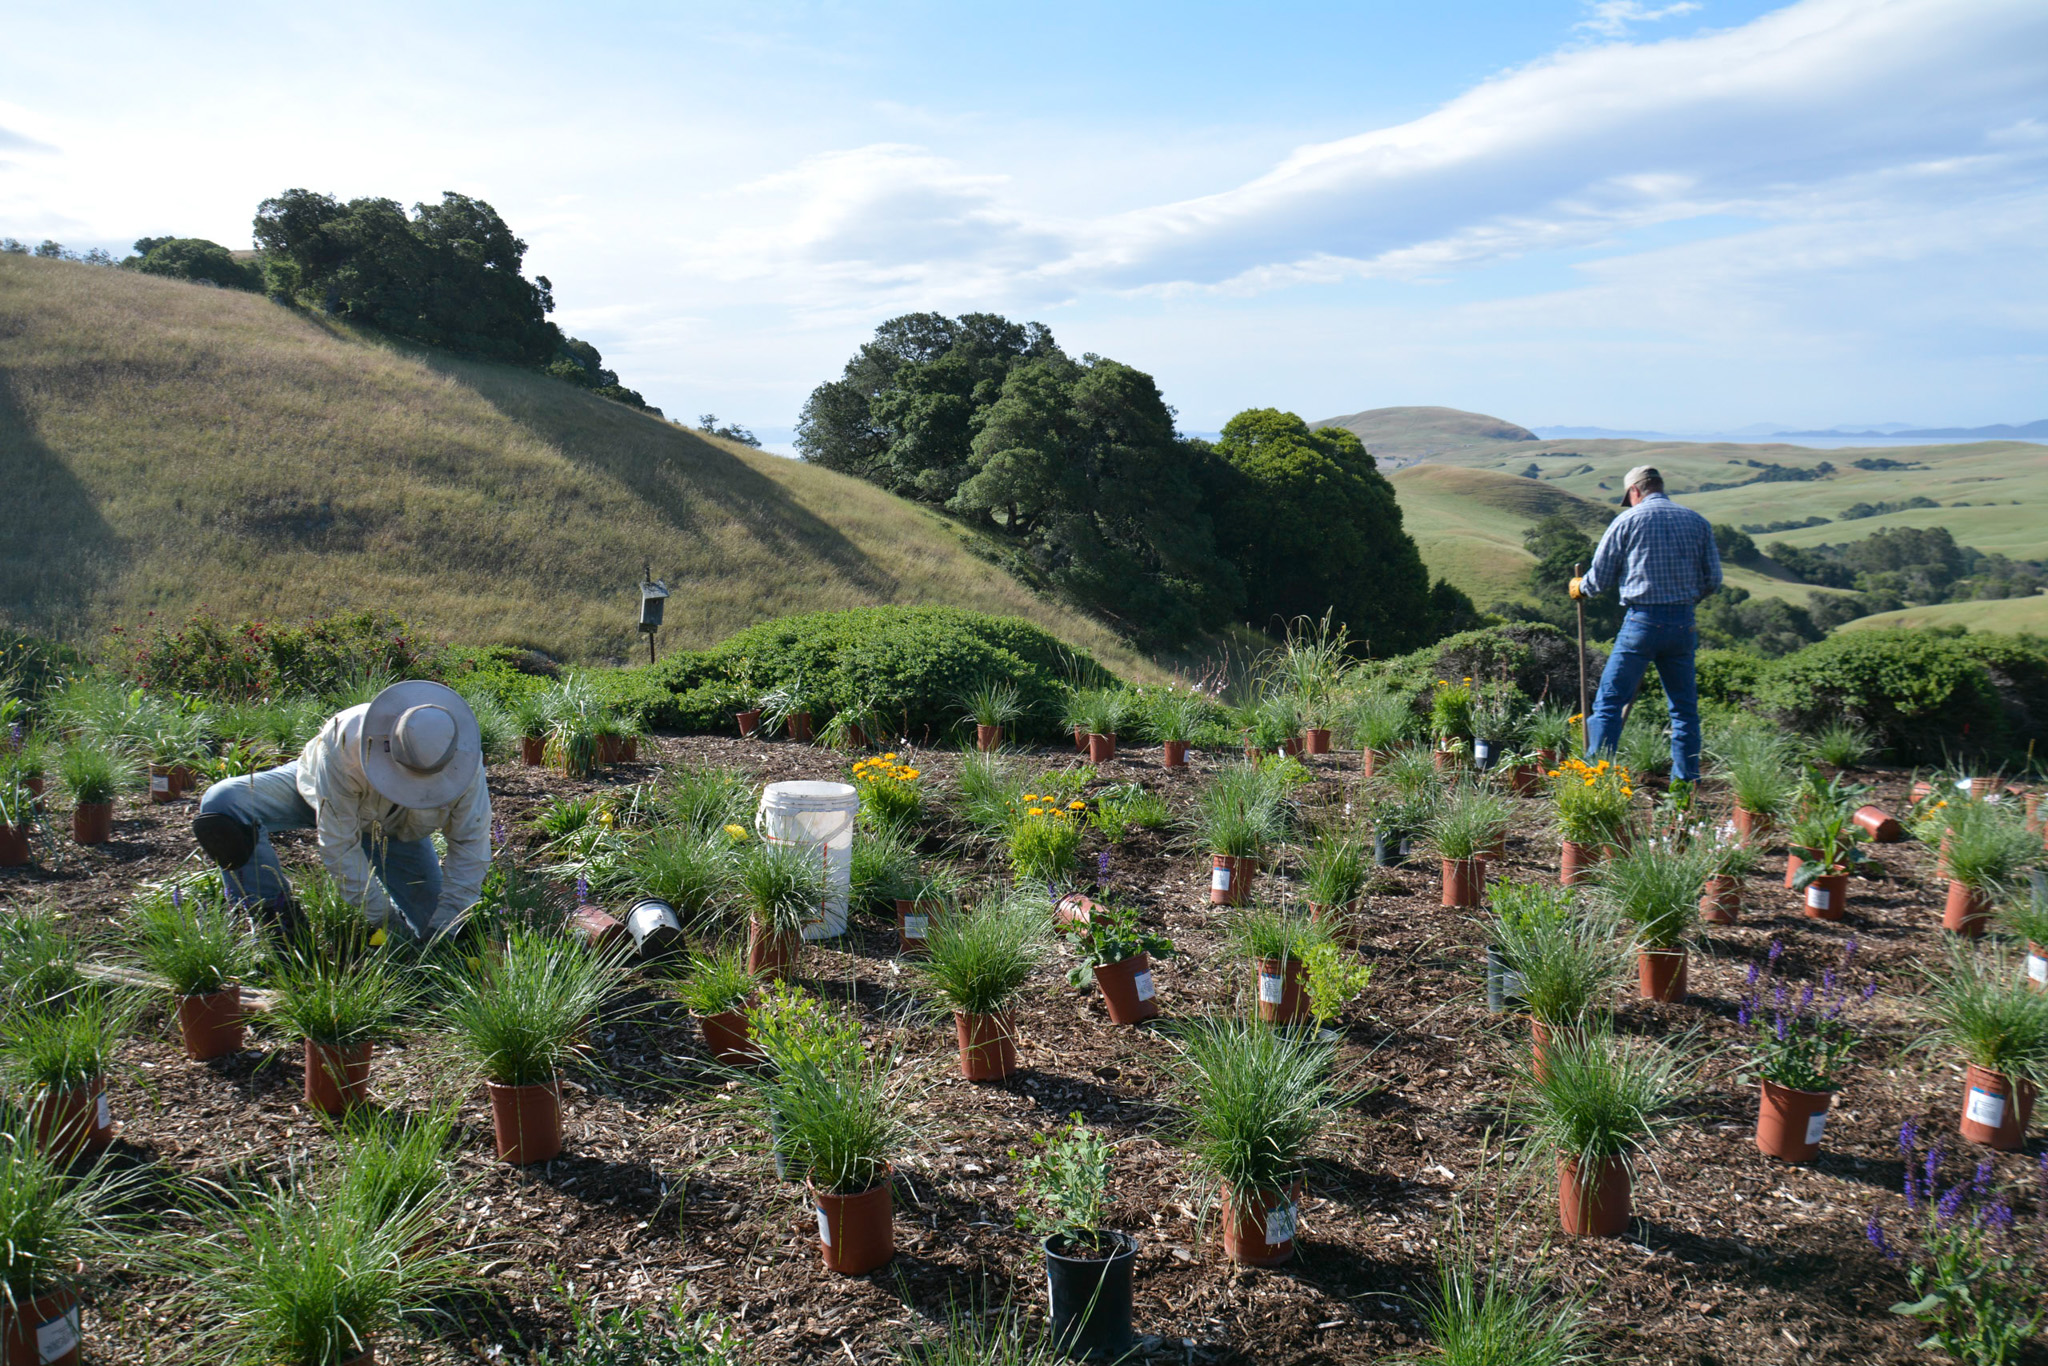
<point>665,1191</point>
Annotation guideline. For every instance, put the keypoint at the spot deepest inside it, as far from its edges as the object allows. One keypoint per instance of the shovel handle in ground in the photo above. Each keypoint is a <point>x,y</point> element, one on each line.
<point>1580,603</point>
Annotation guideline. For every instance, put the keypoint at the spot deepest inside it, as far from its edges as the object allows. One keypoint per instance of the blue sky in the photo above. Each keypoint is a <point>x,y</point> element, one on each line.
<point>1679,216</point>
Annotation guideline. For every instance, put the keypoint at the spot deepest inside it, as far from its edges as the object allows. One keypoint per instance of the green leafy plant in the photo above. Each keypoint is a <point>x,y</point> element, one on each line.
<point>1113,934</point>
<point>1065,1183</point>
<point>840,1115</point>
<point>1335,979</point>
<point>978,1334</point>
<point>1271,722</point>
<point>334,1002</point>
<point>1825,842</point>
<point>782,885</point>
<point>978,958</point>
<point>852,727</point>
<point>706,798</point>
<point>1275,935</point>
<point>717,980</point>
<point>1381,721</point>
<point>640,1336</point>
<point>1043,841</point>
<point>572,743</point>
<point>891,796</point>
<point>532,714</point>
<point>517,1016</point>
<point>1450,712</point>
<point>1656,887</point>
<point>1599,1096</point>
<point>187,934</point>
<point>1121,809</point>
<point>1982,1009</point>
<point>1335,871</point>
<point>1802,1042</point>
<point>93,773</point>
<point>790,698</point>
<point>1550,728</point>
<point>1256,1098</point>
<point>513,897</point>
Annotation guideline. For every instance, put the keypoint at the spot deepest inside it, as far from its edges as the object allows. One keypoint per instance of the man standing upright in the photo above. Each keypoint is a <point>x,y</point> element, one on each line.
<point>1662,558</point>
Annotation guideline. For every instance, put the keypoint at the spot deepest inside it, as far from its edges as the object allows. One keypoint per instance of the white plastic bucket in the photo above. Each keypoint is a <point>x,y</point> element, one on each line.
<point>819,815</point>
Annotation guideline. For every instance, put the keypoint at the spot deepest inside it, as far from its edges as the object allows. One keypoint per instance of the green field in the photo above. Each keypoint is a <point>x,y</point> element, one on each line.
<point>2000,614</point>
<point>167,445</point>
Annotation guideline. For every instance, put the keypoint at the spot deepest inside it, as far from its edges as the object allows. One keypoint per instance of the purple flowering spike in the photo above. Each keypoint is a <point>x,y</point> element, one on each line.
<point>1912,1190</point>
<point>177,898</point>
<point>1874,1231</point>
<point>1999,1216</point>
<point>1983,1178</point>
<point>1778,995</point>
<point>1909,1134</point>
<point>1782,1037</point>
<point>582,890</point>
<point>1933,1165</point>
<point>1754,971</point>
<point>1951,1204</point>
<point>1805,999</point>
<point>1848,953</point>
<point>1828,981</point>
<point>1742,1015</point>
<point>1102,867</point>
<point>1870,989</point>
<point>1777,950</point>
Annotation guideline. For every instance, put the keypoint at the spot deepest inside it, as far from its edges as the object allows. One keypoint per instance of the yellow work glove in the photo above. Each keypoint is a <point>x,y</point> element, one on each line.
<point>1577,588</point>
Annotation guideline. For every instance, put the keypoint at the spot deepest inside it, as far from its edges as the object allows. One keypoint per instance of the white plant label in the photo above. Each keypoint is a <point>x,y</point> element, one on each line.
<point>1819,898</point>
<point>1142,983</point>
<point>1407,846</point>
<point>1986,1108</point>
<point>106,1113</point>
<point>913,926</point>
<point>1512,983</point>
<point>1815,1124</point>
<point>1280,1225</point>
<point>1271,989</point>
<point>2037,967</point>
<point>1482,751</point>
<point>58,1337</point>
<point>1219,879</point>
<point>824,1227</point>
<point>159,782</point>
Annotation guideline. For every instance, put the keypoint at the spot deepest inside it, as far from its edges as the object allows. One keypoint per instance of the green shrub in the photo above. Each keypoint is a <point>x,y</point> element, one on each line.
<point>1924,694</point>
<point>1539,659</point>
<point>252,659</point>
<point>1729,675</point>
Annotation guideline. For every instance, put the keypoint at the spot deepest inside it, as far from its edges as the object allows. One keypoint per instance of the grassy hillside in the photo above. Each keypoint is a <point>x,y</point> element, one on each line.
<point>167,445</point>
<point>1401,436</point>
<point>2001,614</point>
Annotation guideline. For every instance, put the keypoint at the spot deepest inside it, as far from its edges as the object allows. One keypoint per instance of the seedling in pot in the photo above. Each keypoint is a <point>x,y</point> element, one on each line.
<point>978,960</point>
<point>187,934</point>
<point>1989,853</point>
<point>993,709</point>
<point>1065,1186</point>
<point>1333,878</point>
<point>1116,954</point>
<point>341,1010</point>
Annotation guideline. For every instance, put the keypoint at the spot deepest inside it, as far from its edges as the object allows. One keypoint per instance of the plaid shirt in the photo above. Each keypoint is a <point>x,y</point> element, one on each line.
<point>1659,553</point>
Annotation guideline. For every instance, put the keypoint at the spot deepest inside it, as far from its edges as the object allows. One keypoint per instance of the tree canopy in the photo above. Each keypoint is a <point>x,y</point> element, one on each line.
<point>193,258</point>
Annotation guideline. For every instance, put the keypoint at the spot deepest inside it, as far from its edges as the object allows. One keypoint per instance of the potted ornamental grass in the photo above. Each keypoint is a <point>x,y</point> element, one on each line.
<point>1570,961</point>
<point>1103,711</point>
<point>618,736</point>
<point>788,1025</point>
<point>1757,767</point>
<point>1498,725</point>
<point>1381,722</point>
<point>1461,834</point>
<point>1802,1044</point>
<point>1405,798</point>
<point>715,987</point>
<point>1656,888</point>
<point>1990,852</point>
<point>1174,718</point>
<point>57,1224</point>
<point>1592,804</point>
<point>1272,725</point>
<point>1985,1012</point>
<point>93,775</point>
<point>791,708</point>
<point>188,935</point>
<point>393,1165</point>
<point>38,958</point>
<point>341,1008</point>
<point>1516,907</point>
<point>1333,878</point>
<point>1593,1110</point>
<point>976,962</point>
<point>1065,1189</point>
<point>1549,736</point>
<point>1279,944</point>
<point>2025,917</point>
<point>1255,1101</point>
<point>1823,857</point>
<point>1241,811</point>
<point>58,1057</point>
<point>520,1021</point>
<point>783,889</point>
<point>533,716</point>
<point>1116,953</point>
<point>17,821</point>
<point>993,709</point>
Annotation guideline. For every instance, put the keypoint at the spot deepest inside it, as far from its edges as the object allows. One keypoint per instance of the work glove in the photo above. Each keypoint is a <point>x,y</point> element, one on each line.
<point>1577,588</point>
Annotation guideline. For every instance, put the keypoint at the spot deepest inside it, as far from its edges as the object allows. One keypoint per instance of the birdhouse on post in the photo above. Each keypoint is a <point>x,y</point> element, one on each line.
<point>653,593</point>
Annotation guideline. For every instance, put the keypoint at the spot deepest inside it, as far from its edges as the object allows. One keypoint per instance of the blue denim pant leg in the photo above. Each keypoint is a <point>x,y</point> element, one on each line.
<point>411,873</point>
<point>1664,636</point>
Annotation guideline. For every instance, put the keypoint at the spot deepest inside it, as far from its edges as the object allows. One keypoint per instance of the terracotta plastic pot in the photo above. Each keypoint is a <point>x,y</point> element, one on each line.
<point>1996,1109</point>
<point>1827,898</point>
<point>1101,748</point>
<point>73,1122</point>
<point>92,822</point>
<point>1721,902</point>
<point>184,778</point>
<point>1260,1232</point>
<point>14,849</point>
<point>1448,760</point>
<point>1318,741</point>
<point>1283,990</point>
<point>726,1038</point>
<point>2037,966</point>
<point>212,1025</point>
<point>1080,739</point>
<point>43,1331</point>
<point>769,953</point>
<point>801,728</point>
<point>629,749</point>
<point>1174,754</point>
<point>1369,760</point>
<point>1127,990</point>
<point>856,1233</point>
<point>1074,909</point>
<point>988,1045</point>
<point>533,750</point>
<point>163,789</point>
<point>611,749</point>
<point>1877,823</point>
<point>1464,880</point>
<point>1342,919</point>
<point>527,1121</point>
<point>337,1077</point>
<point>1292,746</point>
<point>1789,1122</point>
<point>1598,1206</point>
<point>1750,827</point>
<point>598,928</point>
<point>1793,863</point>
<point>914,924</point>
<point>1541,1038</point>
<point>1967,912</point>
<point>1660,974</point>
<point>1575,862</point>
<point>2033,800</point>
<point>1231,879</point>
<point>987,738</point>
<point>1525,780</point>
<point>34,784</point>
<point>748,721</point>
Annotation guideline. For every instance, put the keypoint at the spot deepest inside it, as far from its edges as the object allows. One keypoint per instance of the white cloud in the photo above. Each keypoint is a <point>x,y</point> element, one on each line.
<point>1612,18</point>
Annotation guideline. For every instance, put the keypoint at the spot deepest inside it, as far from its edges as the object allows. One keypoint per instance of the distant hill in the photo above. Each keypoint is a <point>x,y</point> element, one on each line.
<point>1999,432</point>
<point>1402,436</point>
<point>1468,523</point>
<point>164,445</point>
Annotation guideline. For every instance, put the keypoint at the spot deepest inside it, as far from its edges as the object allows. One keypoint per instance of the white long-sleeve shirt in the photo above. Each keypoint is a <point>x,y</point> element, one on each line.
<point>332,781</point>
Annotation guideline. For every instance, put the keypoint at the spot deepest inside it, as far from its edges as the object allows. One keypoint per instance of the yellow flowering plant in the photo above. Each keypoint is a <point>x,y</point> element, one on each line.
<point>891,794</point>
<point>1592,800</point>
<point>1044,838</point>
<point>1450,712</point>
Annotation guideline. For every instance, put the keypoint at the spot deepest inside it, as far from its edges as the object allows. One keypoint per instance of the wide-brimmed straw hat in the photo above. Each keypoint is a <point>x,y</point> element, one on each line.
<point>421,744</point>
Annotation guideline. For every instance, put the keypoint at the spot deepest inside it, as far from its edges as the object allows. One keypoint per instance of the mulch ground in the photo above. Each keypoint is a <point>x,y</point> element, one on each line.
<point>664,1191</point>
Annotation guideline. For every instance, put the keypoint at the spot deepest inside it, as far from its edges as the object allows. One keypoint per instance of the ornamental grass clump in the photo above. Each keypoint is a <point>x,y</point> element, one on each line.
<point>1381,721</point>
<point>1485,1312</point>
<point>93,773</point>
<point>1655,887</point>
<point>1757,767</point>
<point>991,704</point>
<point>187,934</point>
<point>781,885</point>
<point>1255,1100</point>
<point>717,980</point>
<point>1271,935</point>
<point>322,1000</point>
<point>1982,1008</point>
<point>987,792</point>
<point>1450,713</point>
<point>1841,744</point>
<point>55,1223</point>
<point>706,798</point>
<point>692,870</point>
<point>1243,810</point>
<point>394,1166</point>
<point>1335,871</point>
<point>1570,957</point>
<point>1645,742</point>
<point>47,1051</point>
<point>1592,801</point>
<point>1467,823</point>
<point>518,1017</point>
<point>1990,849</point>
<point>38,958</point>
<point>839,1116</point>
<point>883,870</point>
<point>978,958</point>
<point>1600,1097</point>
<point>1175,716</point>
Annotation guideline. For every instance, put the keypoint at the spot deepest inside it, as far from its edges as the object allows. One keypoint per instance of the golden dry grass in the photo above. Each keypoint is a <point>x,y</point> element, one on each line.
<point>165,446</point>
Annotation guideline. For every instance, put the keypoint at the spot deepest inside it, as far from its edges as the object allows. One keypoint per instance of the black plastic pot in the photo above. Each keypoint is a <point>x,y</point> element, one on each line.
<point>1390,848</point>
<point>1091,1297</point>
<point>1483,754</point>
<point>1503,983</point>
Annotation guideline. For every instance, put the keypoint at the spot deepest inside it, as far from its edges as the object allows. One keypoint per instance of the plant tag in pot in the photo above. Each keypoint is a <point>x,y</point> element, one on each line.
<point>1818,898</point>
<point>913,926</point>
<point>1986,1108</point>
<point>159,782</point>
<point>1280,1224</point>
<point>1271,989</point>
<point>1219,879</point>
<point>1512,983</point>
<point>58,1337</point>
<point>1142,984</point>
<point>824,1227</point>
<point>105,1112</point>
<point>1482,752</point>
<point>2037,967</point>
<point>1815,1124</point>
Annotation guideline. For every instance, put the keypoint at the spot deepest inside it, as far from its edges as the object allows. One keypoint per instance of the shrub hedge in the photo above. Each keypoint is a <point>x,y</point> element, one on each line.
<point>1538,658</point>
<point>253,659</point>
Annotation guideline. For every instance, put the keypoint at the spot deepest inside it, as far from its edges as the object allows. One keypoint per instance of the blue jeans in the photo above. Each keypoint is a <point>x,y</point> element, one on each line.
<point>1663,635</point>
<point>410,872</point>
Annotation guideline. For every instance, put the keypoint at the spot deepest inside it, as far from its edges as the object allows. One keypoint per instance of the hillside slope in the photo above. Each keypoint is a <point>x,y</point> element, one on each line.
<point>166,445</point>
<point>1402,436</point>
